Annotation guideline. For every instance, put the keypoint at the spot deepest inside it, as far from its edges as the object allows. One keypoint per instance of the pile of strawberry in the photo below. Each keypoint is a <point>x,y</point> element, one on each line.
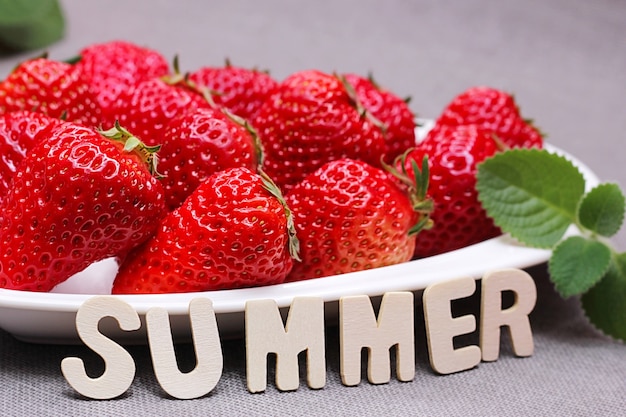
<point>225,177</point>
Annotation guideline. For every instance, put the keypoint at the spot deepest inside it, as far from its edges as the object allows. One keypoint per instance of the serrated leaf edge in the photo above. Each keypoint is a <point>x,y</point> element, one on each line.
<point>583,227</point>
<point>559,245</point>
<point>582,308</point>
<point>573,218</point>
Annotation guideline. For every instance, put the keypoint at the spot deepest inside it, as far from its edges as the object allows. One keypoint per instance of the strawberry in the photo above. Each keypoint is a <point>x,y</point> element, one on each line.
<point>310,119</point>
<point>19,132</point>
<point>392,111</point>
<point>231,232</point>
<point>148,107</point>
<point>199,143</point>
<point>78,197</point>
<point>459,219</point>
<point>54,88</point>
<point>113,67</point>
<point>350,216</point>
<point>495,111</point>
<point>240,90</point>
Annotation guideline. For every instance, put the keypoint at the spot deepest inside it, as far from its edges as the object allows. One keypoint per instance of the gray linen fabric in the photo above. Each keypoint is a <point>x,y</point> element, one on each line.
<point>566,63</point>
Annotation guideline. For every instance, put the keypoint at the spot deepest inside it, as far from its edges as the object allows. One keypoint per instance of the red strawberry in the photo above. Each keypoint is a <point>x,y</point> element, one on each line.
<point>148,107</point>
<point>309,120</point>
<point>19,132</point>
<point>77,198</point>
<point>231,232</point>
<point>113,67</point>
<point>240,90</point>
<point>495,111</point>
<point>459,219</point>
<point>198,144</point>
<point>350,216</point>
<point>51,87</point>
<point>392,111</point>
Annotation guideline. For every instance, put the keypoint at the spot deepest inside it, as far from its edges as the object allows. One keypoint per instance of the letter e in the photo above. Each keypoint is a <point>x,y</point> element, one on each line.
<point>441,327</point>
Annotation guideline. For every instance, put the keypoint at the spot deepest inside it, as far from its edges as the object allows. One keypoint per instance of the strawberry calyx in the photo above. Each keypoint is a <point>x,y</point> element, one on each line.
<point>256,141</point>
<point>273,189</point>
<point>500,145</point>
<point>228,64</point>
<point>354,98</point>
<point>371,79</point>
<point>268,183</point>
<point>182,79</point>
<point>176,77</point>
<point>131,143</point>
<point>531,123</point>
<point>416,184</point>
<point>73,60</point>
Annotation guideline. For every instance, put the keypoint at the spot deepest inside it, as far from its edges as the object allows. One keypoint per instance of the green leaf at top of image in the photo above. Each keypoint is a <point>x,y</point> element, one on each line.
<point>531,194</point>
<point>604,302</point>
<point>30,24</point>
<point>577,264</point>
<point>602,210</point>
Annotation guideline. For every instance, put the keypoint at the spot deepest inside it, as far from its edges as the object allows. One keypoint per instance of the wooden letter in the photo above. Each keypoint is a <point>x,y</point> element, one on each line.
<point>359,328</point>
<point>441,327</point>
<point>206,340</point>
<point>265,334</point>
<point>515,317</point>
<point>119,369</point>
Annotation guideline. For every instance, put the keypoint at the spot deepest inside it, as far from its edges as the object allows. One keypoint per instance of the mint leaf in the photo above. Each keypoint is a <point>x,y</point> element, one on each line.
<point>605,304</point>
<point>577,264</point>
<point>531,194</point>
<point>602,210</point>
<point>535,196</point>
<point>27,25</point>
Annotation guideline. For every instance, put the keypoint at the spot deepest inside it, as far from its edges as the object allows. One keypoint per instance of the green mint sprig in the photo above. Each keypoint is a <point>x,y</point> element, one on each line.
<point>535,196</point>
<point>28,25</point>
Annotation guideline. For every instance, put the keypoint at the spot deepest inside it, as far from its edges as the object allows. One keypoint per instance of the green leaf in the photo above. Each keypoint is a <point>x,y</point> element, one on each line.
<point>30,24</point>
<point>602,210</point>
<point>605,303</point>
<point>531,194</point>
<point>577,264</point>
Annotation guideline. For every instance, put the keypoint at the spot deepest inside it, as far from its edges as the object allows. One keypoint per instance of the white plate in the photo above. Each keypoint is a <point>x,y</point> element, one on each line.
<point>50,317</point>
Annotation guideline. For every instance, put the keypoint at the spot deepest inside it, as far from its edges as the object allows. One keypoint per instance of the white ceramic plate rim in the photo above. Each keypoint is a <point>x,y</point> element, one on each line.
<point>473,261</point>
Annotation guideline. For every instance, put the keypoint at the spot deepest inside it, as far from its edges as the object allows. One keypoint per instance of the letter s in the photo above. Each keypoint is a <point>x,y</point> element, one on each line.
<point>119,370</point>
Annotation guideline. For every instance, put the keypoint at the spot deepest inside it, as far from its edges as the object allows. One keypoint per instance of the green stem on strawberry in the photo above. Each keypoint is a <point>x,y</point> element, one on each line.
<point>270,185</point>
<point>352,94</point>
<point>182,79</point>
<point>256,140</point>
<point>176,76</point>
<point>131,143</point>
<point>500,144</point>
<point>417,188</point>
<point>73,59</point>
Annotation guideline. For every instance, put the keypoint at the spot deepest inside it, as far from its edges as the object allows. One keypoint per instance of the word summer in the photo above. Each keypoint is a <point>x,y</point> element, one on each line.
<point>360,330</point>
